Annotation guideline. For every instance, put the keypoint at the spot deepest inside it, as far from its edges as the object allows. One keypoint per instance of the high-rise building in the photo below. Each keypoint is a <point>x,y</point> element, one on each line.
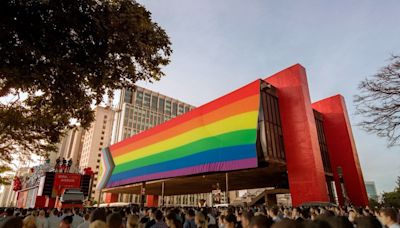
<point>142,109</point>
<point>94,139</point>
<point>371,190</point>
<point>70,147</point>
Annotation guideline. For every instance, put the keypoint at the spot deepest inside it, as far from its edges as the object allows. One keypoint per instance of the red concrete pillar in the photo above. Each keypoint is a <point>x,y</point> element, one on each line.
<point>342,149</point>
<point>152,201</point>
<point>303,157</point>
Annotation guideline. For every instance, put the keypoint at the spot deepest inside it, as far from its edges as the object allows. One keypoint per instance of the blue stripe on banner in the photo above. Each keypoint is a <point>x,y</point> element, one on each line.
<point>205,157</point>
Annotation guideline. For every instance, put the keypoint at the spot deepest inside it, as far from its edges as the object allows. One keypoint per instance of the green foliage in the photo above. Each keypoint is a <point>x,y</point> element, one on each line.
<point>373,203</point>
<point>5,180</point>
<point>392,199</point>
<point>64,56</point>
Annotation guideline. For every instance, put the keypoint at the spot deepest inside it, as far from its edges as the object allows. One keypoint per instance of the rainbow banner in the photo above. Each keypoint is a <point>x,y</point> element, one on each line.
<point>218,136</point>
<point>105,169</point>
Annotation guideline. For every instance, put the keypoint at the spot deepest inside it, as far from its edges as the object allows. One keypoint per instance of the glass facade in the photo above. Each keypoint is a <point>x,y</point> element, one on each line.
<point>174,109</point>
<point>322,142</point>
<point>272,125</point>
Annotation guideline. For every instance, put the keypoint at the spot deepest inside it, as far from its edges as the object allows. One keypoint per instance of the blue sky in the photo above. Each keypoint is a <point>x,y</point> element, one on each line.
<point>222,45</point>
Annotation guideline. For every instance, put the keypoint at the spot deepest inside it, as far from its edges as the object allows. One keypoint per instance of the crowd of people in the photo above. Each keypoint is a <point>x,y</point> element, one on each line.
<point>232,217</point>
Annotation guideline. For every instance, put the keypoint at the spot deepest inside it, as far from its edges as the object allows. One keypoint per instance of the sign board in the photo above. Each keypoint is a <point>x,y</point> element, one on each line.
<point>65,180</point>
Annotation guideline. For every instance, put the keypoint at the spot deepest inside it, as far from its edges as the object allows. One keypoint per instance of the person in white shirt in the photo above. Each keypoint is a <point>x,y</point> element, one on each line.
<point>86,223</point>
<point>41,220</point>
<point>76,219</point>
<point>53,220</point>
<point>388,217</point>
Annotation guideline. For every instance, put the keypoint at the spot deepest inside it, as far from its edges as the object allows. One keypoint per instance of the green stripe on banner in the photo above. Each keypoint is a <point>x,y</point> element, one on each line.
<point>225,140</point>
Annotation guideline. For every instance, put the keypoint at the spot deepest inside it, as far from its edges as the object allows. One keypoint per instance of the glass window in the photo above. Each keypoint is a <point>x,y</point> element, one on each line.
<point>175,109</point>
<point>154,103</point>
<point>168,107</point>
<point>128,96</point>
<point>161,105</point>
<point>186,109</point>
<point>139,98</point>
<point>146,100</point>
<point>180,109</point>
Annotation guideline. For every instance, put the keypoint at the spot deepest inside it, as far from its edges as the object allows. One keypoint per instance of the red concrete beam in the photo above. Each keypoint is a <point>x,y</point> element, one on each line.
<point>342,149</point>
<point>306,174</point>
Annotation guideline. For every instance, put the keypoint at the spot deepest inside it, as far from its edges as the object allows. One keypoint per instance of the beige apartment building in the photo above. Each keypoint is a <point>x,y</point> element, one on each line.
<point>142,109</point>
<point>70,147</point>
<point>139,110</point>
<point>94,139</point>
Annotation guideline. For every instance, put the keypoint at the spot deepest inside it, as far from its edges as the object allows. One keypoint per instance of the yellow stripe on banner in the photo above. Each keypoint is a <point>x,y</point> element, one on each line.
<point>246,120</point>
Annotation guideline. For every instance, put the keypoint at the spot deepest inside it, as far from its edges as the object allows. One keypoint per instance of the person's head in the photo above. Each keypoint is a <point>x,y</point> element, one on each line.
<point>132,221</point>
<point>98,224</point>
<point>230,220</point>
<point>66,222</point>
<point>296,212</point>
<point>76,211</point>
<point>98,214</point>
<point>29,222</point>
<point>246,218</point>
<point>352,216</point>
<point>287,223</point>
<point>273,211</point>
<point>10,211</point>
<point>152,213</point>
<point>260,221</point>
<point>54,212</point>
<point>337,221</point>
<point>67,211</point>
<point>200,220</point>
<point>190,214</point>
<point>86,216</point>
<point>158,216</point>
<point>388,216</point>
<point>42,213</point>
<point>172,220</point>
<point>114,220</point>
<point>12,222</point>
<point>368,222</point>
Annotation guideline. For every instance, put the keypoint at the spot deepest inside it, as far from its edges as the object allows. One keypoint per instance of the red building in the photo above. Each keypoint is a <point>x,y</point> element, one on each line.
<point>318,142</point>
<point>302,146</point>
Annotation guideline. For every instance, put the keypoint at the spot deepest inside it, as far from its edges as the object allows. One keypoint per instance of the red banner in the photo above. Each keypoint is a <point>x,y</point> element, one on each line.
<point>65,180</point>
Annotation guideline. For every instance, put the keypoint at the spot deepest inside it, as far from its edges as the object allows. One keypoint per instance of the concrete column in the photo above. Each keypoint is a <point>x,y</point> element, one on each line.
<point>303,157</point>
<point>342,150</point>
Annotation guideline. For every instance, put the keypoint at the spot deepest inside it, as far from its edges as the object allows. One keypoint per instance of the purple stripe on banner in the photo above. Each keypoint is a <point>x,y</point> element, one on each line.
<point>212,167</point>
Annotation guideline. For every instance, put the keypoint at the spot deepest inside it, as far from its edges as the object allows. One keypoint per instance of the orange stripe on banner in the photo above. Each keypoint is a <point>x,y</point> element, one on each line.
<point>241,106</point>
<point>246,91</point>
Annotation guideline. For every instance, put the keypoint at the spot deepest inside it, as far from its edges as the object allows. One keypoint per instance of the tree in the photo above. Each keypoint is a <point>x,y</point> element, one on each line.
<point>392,199</point>
<point>58,58</point>
<point>379,102</point>
<point>373,203</point>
